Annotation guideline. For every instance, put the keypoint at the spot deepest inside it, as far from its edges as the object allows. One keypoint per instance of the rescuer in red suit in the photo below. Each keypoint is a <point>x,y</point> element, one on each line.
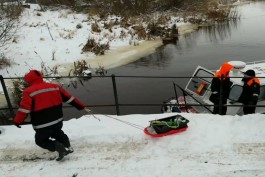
<point>43,101</point>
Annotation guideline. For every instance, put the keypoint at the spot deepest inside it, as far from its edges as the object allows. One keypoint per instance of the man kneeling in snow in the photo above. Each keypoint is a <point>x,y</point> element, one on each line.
<point>43,101</point>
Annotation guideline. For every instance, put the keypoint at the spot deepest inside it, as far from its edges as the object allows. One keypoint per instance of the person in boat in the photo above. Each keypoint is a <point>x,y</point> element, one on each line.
<point>43,101</point>
<point>251,90</point>
<point>220,88</point>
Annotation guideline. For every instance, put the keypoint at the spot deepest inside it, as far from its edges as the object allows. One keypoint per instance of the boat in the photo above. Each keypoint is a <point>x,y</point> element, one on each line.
<point>195,96</point>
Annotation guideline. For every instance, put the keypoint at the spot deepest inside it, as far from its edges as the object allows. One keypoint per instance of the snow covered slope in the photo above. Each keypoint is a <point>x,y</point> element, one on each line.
<point>212,146</point>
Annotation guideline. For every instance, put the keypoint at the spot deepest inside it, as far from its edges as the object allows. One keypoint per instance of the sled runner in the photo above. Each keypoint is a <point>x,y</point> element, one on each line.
<point>167,126</point>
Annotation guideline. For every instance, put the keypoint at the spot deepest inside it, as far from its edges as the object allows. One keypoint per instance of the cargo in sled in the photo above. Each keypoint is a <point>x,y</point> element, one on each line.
<point>167,126</point>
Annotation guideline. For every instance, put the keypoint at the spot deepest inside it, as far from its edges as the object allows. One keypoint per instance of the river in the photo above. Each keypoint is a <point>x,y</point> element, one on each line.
<point>209,47</point>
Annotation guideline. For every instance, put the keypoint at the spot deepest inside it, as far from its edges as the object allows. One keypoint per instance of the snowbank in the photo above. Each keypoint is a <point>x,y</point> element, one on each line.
<point>118,57</point>
<point>213,145</point>
<point>53,39</point>
<point>56,38</point>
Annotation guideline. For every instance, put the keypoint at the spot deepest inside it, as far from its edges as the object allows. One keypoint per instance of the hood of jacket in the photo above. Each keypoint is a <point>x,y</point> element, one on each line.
<point>226,67</point>
<point>33,77</point>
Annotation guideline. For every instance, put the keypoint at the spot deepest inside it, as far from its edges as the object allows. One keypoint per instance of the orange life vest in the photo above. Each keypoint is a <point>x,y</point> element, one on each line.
<point>224,71</point>
<point>253,80</point>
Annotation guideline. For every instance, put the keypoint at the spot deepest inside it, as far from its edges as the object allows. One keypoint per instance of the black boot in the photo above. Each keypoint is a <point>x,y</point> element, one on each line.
<point>69,149</point>
<point>61,150</point>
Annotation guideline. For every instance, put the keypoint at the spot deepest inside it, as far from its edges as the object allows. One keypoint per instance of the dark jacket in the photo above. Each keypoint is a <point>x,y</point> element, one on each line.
<point>43,101</point>
<point>220,81</point>
<point>216,88</point>
<point>251,91</point>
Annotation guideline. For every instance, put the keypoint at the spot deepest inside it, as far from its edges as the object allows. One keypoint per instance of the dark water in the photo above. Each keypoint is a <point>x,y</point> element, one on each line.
<point>209,47</point>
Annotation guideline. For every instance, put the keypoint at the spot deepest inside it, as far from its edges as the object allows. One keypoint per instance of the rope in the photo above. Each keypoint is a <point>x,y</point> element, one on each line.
<point>125,122</point>
<point>93,116</point>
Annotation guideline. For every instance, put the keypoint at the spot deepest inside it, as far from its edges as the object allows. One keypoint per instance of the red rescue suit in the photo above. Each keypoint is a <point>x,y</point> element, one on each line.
<point>43,101</point>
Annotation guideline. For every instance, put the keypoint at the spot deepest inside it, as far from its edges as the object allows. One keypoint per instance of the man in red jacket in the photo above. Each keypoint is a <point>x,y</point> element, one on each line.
<point>43,101</point>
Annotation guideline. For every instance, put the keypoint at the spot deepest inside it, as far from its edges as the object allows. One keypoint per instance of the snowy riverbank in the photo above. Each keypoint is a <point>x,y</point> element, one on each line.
<point>127,54</point>
<point>52,38</point>
<point>212,146</point>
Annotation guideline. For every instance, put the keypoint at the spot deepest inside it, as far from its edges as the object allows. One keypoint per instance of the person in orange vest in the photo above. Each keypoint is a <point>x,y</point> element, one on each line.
<point>43,101</point>
<point>251,90</point>
<point>221,83</point>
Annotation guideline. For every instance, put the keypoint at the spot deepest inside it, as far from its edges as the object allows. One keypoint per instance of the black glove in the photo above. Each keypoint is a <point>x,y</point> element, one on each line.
<point>254,99</point>
<point>18,126</point>
<point>233,102</point>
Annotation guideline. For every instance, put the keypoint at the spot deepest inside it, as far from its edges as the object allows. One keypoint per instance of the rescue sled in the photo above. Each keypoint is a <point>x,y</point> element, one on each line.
<point>167,126</point>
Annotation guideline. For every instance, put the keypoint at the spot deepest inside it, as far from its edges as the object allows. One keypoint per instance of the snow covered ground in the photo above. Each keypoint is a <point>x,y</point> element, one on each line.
<point>56,37</point>
<point>212,146</point>
<point>52,38</point>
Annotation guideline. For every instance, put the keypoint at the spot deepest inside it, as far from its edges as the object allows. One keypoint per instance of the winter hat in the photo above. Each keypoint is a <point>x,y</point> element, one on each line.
<point>250,72</point>
<point>33,76</point>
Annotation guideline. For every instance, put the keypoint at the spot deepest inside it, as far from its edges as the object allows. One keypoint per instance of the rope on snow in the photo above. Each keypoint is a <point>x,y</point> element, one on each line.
<point>125,122</point>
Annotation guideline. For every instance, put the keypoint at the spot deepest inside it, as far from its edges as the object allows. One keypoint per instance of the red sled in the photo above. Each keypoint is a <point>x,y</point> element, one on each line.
<point>167,126</point>
<point>155,135</point>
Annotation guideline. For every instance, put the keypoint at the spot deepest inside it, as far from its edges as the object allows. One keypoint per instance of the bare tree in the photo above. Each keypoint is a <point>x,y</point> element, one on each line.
<point>8,22</point>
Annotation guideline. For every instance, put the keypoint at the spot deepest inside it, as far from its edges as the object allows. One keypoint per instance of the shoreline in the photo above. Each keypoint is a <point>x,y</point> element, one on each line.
<point>127,54</point>
<point>118,57</point>
<point>122,55</point>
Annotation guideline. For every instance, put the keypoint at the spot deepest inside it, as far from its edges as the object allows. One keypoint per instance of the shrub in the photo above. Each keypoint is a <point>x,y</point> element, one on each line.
<point>47,71</point>
<point>123,34</point>
<point>140,32</point>
<point>95,28</point>
<point>97,48</point>
<point>217,14</point>
<point>154,29</point>
<point>18,87</point>
<point>80,68</point>
<point>4,61</point>
<point>108,25</point>
<point>91,43</point>
<point>8,22</point>
<point>101,71</point>
<point>53,2</point>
